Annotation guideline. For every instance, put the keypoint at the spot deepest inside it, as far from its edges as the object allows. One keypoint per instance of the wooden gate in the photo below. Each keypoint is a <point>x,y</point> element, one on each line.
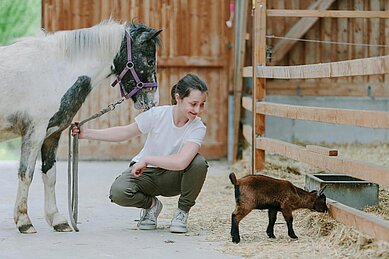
<point>194,39</point>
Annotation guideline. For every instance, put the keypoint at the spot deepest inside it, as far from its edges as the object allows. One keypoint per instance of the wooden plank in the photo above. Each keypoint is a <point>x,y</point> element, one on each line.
<point>259,85</point>
<point>360,118</point>
<point>342,36</point>
<point>358,169</point>
<point>297,31</point>
<point>324,88</point>
<point>185,61</point>
<point>322,150</point>
<point>375,32</point>
<point>355,67</point>
<point>386,39</point>
<point>246,130</point>
<point>241,9</point>
<point>369,224</point>
<point>327,13</point>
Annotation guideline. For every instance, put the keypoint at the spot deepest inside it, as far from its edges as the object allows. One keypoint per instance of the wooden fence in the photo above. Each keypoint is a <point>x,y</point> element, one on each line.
<point>254,134</point>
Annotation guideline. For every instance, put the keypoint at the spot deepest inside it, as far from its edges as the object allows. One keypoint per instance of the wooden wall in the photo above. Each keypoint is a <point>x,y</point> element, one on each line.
<point>194,39</point>
<point>358,30</point>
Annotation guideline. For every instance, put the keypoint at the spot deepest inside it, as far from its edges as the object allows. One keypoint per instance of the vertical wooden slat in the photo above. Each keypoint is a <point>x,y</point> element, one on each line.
<point>357,32</point>
<point>241,12</point>
<point>259,58</point>
<point>374,37</point>
<point>342,36</point>
<point>386,42</point>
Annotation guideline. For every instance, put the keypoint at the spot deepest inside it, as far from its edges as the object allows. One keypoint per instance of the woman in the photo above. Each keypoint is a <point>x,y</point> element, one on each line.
<point>169,163</point>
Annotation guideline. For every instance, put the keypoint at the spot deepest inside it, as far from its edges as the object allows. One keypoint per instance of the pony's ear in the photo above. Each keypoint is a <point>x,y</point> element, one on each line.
<point>146,36</point>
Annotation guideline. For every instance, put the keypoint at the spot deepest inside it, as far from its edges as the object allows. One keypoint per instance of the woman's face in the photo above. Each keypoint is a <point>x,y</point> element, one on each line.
<point>193,104</point>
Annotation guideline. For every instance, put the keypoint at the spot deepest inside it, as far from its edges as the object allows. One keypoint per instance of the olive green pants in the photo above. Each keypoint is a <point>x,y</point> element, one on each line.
<point>132,191</point>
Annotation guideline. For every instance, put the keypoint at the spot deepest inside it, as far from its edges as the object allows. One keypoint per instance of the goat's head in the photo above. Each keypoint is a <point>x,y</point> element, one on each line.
<point>320,204</point>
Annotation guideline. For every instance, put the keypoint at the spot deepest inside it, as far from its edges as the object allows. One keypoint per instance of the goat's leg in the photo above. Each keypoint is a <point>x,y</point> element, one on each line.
<point>289,222</point>
<point>272,220</point>
<point>236,217</point>
<point>31,143</point>
<point>53,217</point>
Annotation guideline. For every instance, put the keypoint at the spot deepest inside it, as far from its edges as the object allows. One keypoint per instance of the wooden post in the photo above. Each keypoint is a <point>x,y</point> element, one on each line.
<point>259,84</point>
<point>241,10</point>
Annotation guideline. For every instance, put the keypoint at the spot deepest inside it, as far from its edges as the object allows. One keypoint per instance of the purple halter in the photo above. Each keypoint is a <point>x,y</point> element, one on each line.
<point>130,67</point>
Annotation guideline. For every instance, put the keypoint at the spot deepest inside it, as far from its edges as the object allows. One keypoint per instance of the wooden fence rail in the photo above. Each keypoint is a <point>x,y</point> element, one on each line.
<point>355,67</point>
<point>360,118</point>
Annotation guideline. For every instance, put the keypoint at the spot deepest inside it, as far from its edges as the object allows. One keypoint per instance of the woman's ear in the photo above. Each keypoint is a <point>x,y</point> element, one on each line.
<point>177,96</point>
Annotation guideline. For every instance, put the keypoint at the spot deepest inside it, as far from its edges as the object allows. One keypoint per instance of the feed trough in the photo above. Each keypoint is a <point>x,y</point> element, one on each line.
<point>345,189</point>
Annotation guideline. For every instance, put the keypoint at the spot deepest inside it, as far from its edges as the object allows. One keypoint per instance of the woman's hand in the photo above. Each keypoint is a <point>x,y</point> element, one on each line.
<point>76,129</point>
<point>138,168</point>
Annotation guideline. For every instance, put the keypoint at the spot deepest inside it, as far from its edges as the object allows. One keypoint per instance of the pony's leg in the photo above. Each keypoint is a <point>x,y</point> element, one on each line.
<point>52,215</point>
<point>31,143</point>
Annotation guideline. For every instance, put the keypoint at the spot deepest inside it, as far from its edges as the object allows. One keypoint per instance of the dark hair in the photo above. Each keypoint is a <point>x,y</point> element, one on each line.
<point>186,85</point>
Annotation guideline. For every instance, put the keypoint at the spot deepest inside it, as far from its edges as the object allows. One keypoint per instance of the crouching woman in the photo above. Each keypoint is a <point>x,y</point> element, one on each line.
<point>169,163</point>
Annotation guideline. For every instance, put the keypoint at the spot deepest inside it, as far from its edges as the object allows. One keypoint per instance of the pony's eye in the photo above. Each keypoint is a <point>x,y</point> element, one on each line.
<point>150,62</point>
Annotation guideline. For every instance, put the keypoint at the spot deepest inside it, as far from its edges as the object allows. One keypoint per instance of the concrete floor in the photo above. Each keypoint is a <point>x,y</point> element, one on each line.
<point>106,230</point>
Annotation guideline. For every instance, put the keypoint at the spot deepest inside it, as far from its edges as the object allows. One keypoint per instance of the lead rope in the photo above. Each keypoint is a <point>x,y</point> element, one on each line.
<point>73,165</point>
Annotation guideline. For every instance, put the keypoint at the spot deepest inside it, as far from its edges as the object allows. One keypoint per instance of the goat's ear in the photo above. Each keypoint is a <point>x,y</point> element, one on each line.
<point>322,190</point>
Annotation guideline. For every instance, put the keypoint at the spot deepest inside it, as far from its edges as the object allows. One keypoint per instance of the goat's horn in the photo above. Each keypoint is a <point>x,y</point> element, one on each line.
<point>322,190</point>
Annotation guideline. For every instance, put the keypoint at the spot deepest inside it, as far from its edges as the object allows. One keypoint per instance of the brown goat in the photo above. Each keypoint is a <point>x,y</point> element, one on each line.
<point>263,192</point>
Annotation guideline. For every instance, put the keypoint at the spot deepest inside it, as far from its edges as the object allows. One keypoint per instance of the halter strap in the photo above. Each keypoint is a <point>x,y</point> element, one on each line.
<point>130,67</point>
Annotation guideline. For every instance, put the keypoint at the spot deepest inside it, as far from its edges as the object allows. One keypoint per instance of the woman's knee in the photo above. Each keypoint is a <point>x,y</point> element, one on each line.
<point>120,194</point>
<point>199,164</point>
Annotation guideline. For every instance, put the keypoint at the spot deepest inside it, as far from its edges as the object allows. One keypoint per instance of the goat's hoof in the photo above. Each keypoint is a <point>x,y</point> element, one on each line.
<point>63,227</point>
<point>236,240</point>
<point>293,236</point>
<point>27,229</point>
<point>271,236</point>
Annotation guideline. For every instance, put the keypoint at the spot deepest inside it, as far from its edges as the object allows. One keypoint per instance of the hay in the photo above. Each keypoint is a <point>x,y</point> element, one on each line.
<point>319,235</point>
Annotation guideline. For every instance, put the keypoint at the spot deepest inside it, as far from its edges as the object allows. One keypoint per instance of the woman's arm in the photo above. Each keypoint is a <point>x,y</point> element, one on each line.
<point>114,134</point>
<point>174,162</point>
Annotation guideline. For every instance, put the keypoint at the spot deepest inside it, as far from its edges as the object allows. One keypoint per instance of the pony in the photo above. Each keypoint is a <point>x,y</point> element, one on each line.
<point>46,78</point>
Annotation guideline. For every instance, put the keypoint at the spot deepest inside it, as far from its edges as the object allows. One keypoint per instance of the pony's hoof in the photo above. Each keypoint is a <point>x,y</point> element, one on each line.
<point>27,229</point>
<point>64,227</point>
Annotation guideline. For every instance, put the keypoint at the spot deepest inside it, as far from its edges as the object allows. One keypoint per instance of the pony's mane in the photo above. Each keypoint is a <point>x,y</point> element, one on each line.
<point>101,41</point>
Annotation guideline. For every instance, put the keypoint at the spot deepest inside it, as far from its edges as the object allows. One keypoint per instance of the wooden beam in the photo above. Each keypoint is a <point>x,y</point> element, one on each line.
<point>360,118</point>
<point>327,88</point>
<point>354,67</point>
<point>327,13</point>
<point>184,61</point>
<point>369,224</point>
<point>240,52</point>
<point>358,169</point>
<point>297,31</point>
<point>322,150</point>
<point>246,130</point>
<point>259,84</point>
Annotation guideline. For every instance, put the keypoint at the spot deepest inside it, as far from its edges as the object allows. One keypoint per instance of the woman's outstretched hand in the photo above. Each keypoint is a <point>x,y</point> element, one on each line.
<point>76,129</point>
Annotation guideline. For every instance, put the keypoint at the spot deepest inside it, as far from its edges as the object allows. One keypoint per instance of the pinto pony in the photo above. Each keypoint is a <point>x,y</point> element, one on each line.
<point>45,80</point>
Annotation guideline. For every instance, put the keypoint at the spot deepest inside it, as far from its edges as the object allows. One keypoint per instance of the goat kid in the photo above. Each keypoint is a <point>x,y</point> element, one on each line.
<point>263,192</point>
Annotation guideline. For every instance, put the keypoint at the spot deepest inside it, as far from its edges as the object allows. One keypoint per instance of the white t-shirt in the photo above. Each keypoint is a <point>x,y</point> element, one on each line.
<point>163,136</point>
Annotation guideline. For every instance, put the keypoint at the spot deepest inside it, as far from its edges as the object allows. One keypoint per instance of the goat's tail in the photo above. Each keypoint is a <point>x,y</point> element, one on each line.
<point>233,179</point>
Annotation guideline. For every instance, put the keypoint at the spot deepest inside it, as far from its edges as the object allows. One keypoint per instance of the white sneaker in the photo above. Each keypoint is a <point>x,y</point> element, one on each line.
<point>179,221</point>
<point>148,219</point>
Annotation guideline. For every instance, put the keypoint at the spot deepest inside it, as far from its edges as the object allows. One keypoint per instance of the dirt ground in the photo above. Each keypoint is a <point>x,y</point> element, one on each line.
<point>319,235</point>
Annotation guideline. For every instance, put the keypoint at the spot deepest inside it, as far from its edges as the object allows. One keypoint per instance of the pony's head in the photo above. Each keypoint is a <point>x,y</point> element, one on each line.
<point>144,41</point>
